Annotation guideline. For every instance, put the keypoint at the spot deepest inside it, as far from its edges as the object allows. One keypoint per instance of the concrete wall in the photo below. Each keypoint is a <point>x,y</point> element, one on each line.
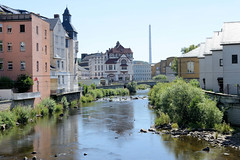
<point>5,105</point>
<point>202,71</point>
<point>208,72</point>
<point>231,72</point>
<point>217,69</point>
<point>5,94</point>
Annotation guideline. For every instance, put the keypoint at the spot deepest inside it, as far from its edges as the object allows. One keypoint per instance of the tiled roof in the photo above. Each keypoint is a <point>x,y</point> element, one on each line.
<point>52,22</point>
<point>119,49</point>
<point>231,33</point>
<point>111,61</point>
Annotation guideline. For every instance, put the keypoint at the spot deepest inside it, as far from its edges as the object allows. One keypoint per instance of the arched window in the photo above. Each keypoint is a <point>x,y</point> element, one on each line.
<point>123,61</point>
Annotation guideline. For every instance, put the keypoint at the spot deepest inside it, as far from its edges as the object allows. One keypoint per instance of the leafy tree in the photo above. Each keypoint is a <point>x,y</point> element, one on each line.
<point>185,50</point>
<point>23,83</point>
<point>160,77</point>
<point>174,65</point>
<point>6,83</point>
<point>132,87</point>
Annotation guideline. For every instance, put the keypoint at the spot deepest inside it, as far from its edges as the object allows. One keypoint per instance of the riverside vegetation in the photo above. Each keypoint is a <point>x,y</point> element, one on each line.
<point>21,115</point>
<point>187,105</point>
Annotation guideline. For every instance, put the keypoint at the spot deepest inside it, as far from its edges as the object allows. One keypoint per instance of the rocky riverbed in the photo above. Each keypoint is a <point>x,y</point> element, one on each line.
<point>211,136</point>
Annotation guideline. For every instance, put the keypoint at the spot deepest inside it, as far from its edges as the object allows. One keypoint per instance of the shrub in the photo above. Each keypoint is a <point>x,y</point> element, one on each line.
<point>6,83</point>
<point>185,104</point>
<point>223,128</point>
<point>174,125</point>
<point>50,104</point>
<point>162,119</point>
<point>41,110</point>
<point>194,82</point>
<point>85,89</point>
<point>160,77</point>
<point>23,83</point>
<point>93,86</point>
<point>83,99</point>
<point>74,103</point>
<point>64,102</point>
<point>59,108</point>
<point>142,86</point>
<point>8,118</point>
<point>99,93</point>
<point>22,113</point>
<point>132,87</point>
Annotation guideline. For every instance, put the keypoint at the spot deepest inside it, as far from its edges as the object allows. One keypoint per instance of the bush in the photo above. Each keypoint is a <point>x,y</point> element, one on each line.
<point>223,128</point>
<point>162,119</point>
<point>22,113</point>
<point>185,104</point>
<point>64,102</point>
<point>41,110</point>
<point>6,83</point>
<point>142,87</point>
<point>93,86</point>
<point>85,89</point>
<point>59,108</point>
<point>175,125</point>
<point>23,83</point>
<point>132,87</point>
<point>7,118</point>
<point>50,104</point>
<point>74,103</point>
<point>194,82</point>
<point>160,77</point>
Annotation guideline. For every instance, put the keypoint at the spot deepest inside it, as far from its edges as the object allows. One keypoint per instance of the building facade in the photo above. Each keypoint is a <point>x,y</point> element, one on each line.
<point>141,71</point>
<point>25,49</point>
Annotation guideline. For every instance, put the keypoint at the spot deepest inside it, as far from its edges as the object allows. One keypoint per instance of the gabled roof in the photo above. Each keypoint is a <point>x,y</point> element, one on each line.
<point>68,27</point>
<point>231,33</point>
<point>52,22</point>
<point>111,61</point>
<point>197,52</point>
<point>119,49</point>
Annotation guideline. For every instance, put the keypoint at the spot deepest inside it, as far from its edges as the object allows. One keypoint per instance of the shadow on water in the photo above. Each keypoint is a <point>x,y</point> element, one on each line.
<point>103,129</point>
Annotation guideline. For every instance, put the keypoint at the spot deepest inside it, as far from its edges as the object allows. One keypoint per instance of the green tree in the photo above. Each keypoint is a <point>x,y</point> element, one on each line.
<point>160,77</point>
<point>174,65</point>
<point>185,50</point>
<point>23,83</point>
<point>132,87</point>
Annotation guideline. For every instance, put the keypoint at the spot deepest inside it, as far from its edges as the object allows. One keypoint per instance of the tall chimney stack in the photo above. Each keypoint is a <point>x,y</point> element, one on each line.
<point>56,15</point>
<point>150,46</point>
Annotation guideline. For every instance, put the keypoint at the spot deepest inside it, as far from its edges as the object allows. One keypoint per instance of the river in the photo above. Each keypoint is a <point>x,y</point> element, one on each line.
<point>104,131</point>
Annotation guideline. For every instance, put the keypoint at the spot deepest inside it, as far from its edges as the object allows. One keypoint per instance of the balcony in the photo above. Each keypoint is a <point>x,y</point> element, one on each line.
<point>28,95</point>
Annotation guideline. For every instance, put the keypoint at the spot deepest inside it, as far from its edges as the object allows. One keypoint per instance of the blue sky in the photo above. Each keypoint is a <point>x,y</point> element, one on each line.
<point>175,23</point>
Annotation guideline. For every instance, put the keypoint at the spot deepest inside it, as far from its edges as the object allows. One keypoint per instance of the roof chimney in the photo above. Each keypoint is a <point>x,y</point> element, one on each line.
<point>56,15</point>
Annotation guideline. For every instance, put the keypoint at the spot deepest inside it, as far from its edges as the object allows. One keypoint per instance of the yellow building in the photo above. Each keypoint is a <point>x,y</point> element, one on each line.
<point>188,64</point>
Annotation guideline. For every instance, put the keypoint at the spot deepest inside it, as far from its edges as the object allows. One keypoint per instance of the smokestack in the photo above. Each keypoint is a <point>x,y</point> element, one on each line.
<point>56,15</point>
<point>150,46</point>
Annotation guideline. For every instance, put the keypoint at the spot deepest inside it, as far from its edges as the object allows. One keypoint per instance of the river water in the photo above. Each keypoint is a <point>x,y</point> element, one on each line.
<point>104,131</point>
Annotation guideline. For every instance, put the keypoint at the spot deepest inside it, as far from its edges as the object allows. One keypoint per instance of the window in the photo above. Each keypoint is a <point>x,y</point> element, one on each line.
<point>110,67</point>
<point>62,65</point>
<point>59,80</point>
<point>101,67</point>
<point>36,29</point>
<point>58,64</point>
<point>22,65</point>
<point>37,49</point>
<point>62,79</point>
<point>22,46</point>
<point>66,43</point>
<point>10,65</point>
<point>1,28</point>
<point>1,64</point>
<point>98,68</point>
<point>45,34</point>
<point>1,46</point>
<point>95,68</point>
<point>37,66</point>
<point>190,67</point>
<point>22,28</point>
<point>220,62</point>
<point>45,50</point>
<point>46,67</point>
<point>9,46</point>
<point>234,59</point>
<point>9,29</point>
<point>124,67</point>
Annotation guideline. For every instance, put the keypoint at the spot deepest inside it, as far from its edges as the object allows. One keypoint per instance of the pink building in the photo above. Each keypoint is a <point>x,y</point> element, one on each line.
<point>25,49</point>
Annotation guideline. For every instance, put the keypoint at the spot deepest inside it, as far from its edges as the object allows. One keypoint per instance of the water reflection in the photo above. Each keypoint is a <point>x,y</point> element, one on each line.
<point>103,130</point>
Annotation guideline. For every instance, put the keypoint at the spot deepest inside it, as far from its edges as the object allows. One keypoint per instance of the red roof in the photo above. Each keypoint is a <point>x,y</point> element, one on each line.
<point>120,49</point>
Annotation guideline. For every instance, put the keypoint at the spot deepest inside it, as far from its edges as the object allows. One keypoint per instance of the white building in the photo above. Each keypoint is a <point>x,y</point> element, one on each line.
<point>141,71</point>
<point>96,65</point>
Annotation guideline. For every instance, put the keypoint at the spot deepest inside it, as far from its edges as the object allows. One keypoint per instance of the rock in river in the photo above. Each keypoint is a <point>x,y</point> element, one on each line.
<point>143,130</point>
<point>207,149</point>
